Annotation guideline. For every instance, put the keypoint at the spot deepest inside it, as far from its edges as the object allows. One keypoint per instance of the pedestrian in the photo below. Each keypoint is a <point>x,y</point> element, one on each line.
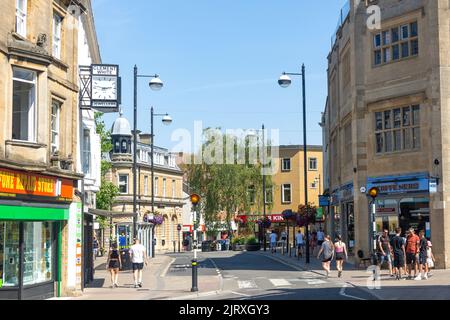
<point>430,258</point>
<point>398,247</point>
<point>273,241</point>
<point>384,250</point>
<point>313,241</point>
<point>320,237</point>
<point>300,243</point>
<point>283,238</point>
<point>114,264</point>
<point>327,249</point>
<point>423,265</point>
<point>412,252</point>
<point>95,246</point>
<point>341,252</point>
<point>138,258</point>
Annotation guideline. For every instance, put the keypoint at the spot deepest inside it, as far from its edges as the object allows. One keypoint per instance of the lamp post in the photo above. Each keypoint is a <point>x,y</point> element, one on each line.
<point>167,120</point>
<point>285,81</point>
<point>156,85</point>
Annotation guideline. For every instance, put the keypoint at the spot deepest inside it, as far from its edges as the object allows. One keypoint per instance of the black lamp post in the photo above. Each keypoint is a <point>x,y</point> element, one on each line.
<point>167,120</point>
<point>156,85</point>
<point>285,82</point>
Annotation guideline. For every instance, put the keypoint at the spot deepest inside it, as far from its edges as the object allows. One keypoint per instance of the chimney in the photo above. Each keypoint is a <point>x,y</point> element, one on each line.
<point>145,138</point>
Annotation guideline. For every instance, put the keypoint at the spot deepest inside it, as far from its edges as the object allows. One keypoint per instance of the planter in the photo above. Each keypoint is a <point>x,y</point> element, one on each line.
<point>238,247</point>
<point>252,247</point>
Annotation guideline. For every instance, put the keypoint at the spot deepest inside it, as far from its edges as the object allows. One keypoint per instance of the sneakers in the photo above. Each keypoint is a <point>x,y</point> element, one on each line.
<point>116,285</point>
<point>140,284</point>
<point>339,274</point>
<point>136,286</point>
<point>425,277</point>
<point>418,278</point>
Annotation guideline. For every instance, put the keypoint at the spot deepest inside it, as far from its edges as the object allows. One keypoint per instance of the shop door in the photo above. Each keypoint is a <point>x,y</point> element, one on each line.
<point>350,227</point>
<point>415,213</point>
<point>88,249</point>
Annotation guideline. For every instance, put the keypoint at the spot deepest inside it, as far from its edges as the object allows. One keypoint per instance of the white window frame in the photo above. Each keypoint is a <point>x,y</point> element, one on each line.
<point>174,192</point>
<point>283,188</point>
<point>145,185</point>
<point>309,164</point>
<point>123,183</point>
<point>32,103</point>
<point>55,145</point>
<point>164,187</point>
<point>283,167</point>
<point>156,185</point>
<point>57,35</point>
<point>21,18</point>
<point>269,190</point>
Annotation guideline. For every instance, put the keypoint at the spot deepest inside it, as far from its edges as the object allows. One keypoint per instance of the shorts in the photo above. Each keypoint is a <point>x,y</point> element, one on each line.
<point>339,256</point>
<point>138,266</point>
<point>382,258</point>
<point>300,245</point>
<point>423,258</point>
<point>327,259</point>
<point>399,260</point>
<point>411,258</point>
<point>113,264</point>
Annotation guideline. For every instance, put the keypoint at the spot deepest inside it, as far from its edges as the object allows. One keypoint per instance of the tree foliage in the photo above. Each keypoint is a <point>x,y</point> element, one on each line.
<point>224,187</point>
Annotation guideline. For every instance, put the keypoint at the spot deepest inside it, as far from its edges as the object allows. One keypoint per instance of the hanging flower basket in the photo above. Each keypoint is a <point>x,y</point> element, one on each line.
<point>265,223</point>
<point>306,215</point>
<point>288,215</point>
<point>158,219</point>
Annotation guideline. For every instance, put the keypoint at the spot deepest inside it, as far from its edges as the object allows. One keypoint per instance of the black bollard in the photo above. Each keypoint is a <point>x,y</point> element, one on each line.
<point>194,276</point>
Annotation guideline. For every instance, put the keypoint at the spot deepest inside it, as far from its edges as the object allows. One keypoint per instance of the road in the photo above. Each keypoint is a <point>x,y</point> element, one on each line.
<point>248,276</point>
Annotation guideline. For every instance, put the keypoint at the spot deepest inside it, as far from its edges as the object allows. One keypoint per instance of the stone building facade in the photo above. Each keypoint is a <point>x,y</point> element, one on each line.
<point>385,122</point>
<point>38,147</point>
<point>168,189</point>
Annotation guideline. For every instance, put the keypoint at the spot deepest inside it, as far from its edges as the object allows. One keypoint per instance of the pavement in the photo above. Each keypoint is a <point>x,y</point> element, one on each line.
<point>159,283</point>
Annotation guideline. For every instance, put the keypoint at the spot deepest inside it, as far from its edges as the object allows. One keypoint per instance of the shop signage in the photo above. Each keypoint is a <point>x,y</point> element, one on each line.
<point>276,218</point>
<point>324,201</point>
<point>385,210</point>
<point>393,185</point>
<point>17,183</point>
<point>433,185</point>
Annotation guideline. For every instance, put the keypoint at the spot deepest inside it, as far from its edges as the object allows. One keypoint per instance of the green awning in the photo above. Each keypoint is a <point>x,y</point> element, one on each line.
<point>33,213</point>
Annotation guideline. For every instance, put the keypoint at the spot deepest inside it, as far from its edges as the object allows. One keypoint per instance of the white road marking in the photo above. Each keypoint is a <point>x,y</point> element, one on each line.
<point>247,284</point>
<point>240,294</point>
<point>280,282</point>
<point>342,293</point>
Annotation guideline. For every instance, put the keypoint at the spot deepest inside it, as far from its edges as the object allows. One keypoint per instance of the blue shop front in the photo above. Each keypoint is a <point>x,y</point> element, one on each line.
<point>403,201</point>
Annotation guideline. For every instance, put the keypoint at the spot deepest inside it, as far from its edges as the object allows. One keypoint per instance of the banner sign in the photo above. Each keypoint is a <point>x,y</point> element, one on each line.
<point>15,183</point>
<point>254,218</point>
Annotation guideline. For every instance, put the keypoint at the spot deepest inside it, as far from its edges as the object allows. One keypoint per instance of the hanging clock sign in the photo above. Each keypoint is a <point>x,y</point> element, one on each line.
<point>105,87</point>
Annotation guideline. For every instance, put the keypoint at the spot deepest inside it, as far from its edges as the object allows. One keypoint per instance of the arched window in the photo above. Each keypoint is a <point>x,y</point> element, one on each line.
<point>117,146</point>
<point>124,146</point>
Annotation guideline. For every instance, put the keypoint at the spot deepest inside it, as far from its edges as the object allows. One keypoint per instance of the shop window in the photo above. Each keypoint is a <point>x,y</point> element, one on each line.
<point>37,265</point>
<point>415,213</point>
<point>9,254</point>
<point>24,105</point>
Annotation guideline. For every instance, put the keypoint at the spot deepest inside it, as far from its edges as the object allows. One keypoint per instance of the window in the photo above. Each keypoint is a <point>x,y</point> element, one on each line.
<point>312,164</point>
<point>123,184</point>
<point>57,26</point>
<point>87,151</point>
<point>397,129</point>
<point>396,43</point>
<point>174,184</point>
<point>164,187</point>
<point>54,124</point>
<point>156,186</point>
<point>145,185</point>
<point>286,196</point>
<point>269,195</point>
<point>172,161</point>
<point>251,194</point>
<point>124,146</point>
<point>21,17</point>
<point>314,184</point>
<point>286,165</point>
<point>24,105</point>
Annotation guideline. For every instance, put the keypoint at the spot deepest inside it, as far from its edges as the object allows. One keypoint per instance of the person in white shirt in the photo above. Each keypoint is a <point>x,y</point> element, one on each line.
<point>138,258</point>
<point>300,243</point>
<point>273,241</point>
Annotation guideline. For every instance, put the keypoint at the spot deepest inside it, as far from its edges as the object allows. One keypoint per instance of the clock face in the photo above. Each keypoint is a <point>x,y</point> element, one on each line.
<point>104,88</point>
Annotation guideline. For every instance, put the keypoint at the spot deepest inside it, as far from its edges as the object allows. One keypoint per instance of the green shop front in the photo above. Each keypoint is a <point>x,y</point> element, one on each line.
<point>31,224</point>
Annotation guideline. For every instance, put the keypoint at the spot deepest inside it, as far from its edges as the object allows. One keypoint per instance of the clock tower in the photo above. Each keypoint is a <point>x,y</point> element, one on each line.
<point>121,139</point>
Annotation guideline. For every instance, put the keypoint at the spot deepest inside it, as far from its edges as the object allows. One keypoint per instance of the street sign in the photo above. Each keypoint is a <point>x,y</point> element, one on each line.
<point>324,201</point>
<point>433,185</point>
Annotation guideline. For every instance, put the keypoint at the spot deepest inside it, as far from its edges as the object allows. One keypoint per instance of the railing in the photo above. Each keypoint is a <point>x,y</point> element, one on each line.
<point>345,11</point>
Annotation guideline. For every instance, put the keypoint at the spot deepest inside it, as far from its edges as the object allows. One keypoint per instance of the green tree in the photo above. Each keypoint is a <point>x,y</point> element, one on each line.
<point>105,141</point>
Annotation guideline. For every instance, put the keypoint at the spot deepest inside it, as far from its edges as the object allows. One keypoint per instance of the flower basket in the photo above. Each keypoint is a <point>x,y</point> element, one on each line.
<point>265,223</point>
<point>306,215</point>
<point>288,215</point>
<point>157,220</point>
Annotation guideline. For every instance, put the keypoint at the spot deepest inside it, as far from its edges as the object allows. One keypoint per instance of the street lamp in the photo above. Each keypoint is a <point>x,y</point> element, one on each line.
<point>155,84</point>
<point>284,82</point>
<point>263,185</point>
<point>166,120</point>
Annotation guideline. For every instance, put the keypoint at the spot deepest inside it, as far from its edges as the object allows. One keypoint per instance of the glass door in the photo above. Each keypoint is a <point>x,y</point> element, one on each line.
<point>9,254</point>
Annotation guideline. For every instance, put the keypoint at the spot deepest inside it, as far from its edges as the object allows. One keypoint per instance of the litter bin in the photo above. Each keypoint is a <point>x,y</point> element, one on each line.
<point>126,261</point>
<point>206,246</point>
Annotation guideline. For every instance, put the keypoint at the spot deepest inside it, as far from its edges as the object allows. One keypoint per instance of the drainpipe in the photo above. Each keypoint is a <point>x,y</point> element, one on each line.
<point>59,257</point>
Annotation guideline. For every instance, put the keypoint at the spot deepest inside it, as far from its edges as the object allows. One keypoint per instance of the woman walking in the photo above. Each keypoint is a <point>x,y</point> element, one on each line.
<point>328,251</point>
<point>341,252</point>
<point>113,264</point>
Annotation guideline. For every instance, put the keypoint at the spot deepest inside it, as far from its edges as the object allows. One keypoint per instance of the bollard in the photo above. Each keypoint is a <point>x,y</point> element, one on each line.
<point>194,276</point>
<point>174,246</point>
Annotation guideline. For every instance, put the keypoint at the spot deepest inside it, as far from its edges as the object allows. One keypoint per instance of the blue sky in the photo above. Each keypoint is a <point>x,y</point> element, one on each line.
<point>220,61</point>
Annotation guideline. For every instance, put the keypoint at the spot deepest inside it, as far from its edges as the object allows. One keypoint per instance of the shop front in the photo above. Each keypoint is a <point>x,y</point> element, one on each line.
<point>34,209</point>
<point>348,216</point>
<point>403,201</point>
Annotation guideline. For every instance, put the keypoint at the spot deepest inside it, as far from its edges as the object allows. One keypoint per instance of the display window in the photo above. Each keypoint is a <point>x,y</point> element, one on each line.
<point>9,254</point>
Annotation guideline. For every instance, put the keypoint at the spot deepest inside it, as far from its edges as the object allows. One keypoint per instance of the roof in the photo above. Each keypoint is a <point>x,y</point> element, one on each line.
<point>121,127</point>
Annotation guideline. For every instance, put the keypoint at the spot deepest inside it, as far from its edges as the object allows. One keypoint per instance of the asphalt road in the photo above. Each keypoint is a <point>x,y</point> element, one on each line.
<point>248,276</point>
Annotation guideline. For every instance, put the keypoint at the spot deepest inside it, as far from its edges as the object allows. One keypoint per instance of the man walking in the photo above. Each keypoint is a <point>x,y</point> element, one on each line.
<point>423,264</point>
<point>398,246</point>
<point>300,244</point>
<point>412,251</point>
<point>273,241</point>
<point>320,237</point>
<point>384,250</point>
<point>138,258</point>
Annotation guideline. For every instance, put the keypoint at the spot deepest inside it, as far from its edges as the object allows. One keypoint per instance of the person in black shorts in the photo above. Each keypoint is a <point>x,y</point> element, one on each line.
<point>398,246</point>
<point>113,264</point>
<point>423,264</point>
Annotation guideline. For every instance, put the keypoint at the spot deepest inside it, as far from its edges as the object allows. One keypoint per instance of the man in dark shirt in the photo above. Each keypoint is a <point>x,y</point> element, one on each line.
<point>423,264</point>
<point>398,246</point>
<point>384,250</point>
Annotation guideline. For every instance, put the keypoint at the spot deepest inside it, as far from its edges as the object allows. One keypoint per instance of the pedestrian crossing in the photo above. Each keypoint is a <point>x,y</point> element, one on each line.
<point>265,283</point>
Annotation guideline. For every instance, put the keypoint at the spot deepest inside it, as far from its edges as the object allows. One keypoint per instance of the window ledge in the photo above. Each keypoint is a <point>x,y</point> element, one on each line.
<point>21,143</point>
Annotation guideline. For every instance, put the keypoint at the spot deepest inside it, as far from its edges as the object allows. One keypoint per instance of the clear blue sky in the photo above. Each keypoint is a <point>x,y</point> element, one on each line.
<point>220,61</point>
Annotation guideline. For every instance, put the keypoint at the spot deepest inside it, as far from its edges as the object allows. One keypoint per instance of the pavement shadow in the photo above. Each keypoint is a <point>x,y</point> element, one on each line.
<point>96,283</point>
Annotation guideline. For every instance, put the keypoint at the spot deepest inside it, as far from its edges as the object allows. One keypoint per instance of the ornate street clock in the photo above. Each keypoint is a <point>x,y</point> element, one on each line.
<point>105,87</point>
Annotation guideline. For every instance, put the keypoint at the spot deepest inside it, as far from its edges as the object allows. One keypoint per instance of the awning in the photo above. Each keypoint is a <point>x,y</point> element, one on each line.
<point>33,213</point>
